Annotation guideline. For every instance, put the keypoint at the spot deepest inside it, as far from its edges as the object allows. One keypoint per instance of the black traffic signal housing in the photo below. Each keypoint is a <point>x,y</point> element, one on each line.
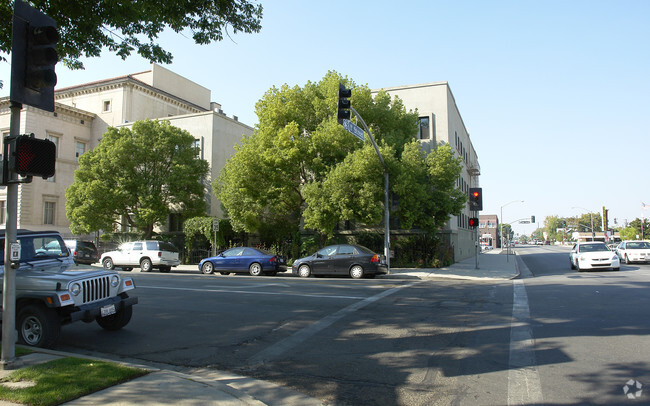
<point>473,222</point>
<point>532,219</point>
<point>343,109</point>
<point>476,198</point>
<point>27,156</point>
<point>33,57</point>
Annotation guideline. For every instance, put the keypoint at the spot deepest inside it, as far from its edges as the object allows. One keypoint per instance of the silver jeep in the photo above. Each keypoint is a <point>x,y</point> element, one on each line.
<point>49,295</point>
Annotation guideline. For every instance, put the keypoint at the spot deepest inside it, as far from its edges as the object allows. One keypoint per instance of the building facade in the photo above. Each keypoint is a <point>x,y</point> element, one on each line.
<point>82,115</point>
<point>440,122</point>
<point>488,230</point>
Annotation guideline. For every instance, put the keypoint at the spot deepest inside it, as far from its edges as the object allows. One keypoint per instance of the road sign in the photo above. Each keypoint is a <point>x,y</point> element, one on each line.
<point>215,225</point>
<point>353,129</point>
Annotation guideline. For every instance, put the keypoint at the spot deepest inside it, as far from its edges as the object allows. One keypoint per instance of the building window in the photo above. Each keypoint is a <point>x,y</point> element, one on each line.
<point>80,148</point>
<point>3,212</point>
<point>424,128</point>
<point>48,213</point>
<point>106,106</point>
<point>175,222</point>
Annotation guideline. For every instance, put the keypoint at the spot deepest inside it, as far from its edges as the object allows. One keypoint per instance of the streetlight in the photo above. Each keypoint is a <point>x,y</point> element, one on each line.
<point>501,224</point>
<point>591,214</point>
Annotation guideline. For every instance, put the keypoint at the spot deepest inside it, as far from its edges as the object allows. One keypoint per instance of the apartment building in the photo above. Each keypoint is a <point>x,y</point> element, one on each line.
<point>440,122</point>
<point>82,115</point>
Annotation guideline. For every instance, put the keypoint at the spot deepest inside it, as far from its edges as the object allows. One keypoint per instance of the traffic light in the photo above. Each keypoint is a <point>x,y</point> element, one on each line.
<point>33,58</point>
<point>343,112</point>
<point>29,156</point>
<point>473,222</point>
<point>532,219</point>
<point>475,198</point>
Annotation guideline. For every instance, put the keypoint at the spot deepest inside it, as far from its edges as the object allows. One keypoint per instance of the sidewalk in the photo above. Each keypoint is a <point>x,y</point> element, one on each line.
<point>211,387</point>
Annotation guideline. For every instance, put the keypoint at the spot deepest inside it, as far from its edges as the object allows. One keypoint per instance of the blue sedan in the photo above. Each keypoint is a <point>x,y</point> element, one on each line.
<point>244,260</point>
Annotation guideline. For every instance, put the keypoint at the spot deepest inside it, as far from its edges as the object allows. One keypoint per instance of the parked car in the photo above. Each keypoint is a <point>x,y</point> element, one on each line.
<point>146,255</point>
<point>83,252</point>
<point>49,295</point>
<point>342,259</point>
<point>244,260</point>
<point>593,255</point>
<point>634,251</point>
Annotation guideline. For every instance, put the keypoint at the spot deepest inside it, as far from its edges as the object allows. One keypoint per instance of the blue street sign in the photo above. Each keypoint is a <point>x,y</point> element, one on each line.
<point>353,129</point>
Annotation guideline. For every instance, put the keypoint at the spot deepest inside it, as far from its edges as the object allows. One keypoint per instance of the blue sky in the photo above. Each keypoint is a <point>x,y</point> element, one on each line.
<point>555,94</point>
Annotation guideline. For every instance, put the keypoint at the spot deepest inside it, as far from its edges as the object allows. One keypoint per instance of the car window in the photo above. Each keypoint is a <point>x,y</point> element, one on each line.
<point>233,252</point>
<point>86,245</point>
<point>327,251</point>
<point>125,246</point>
<point>151,245</point>
<point>37,248</point>
<point>593,247</point>
<point>167,246</point>
<point>249,252</point>
<point>345,250</point>
<point>137,246</point>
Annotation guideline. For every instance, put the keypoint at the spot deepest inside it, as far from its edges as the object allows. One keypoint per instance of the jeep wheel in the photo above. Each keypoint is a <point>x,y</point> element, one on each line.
<point>207,268</point>
<point>255,269</point>
<point>145,265</point>
<point>108,263</point>
<point>116,321</point>
<point>38,326</point>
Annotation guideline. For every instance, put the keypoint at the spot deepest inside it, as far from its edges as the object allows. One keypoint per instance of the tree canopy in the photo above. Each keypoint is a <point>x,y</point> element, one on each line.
<point>87,27</point>
<point>138,175</point>
<point>301,166</point>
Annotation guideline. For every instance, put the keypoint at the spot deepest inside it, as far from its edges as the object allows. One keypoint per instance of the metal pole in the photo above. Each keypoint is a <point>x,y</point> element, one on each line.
<point>8,360</point>
<point>386,208</point>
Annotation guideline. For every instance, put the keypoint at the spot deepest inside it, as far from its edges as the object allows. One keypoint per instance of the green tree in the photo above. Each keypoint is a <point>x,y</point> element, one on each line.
<point>138,176</point>
<point>88,27</point>
<point>298,142</point>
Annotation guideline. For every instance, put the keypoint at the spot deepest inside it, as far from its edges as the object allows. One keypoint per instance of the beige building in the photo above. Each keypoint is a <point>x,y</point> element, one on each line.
<point>440,122</point>
<point>84,112</point>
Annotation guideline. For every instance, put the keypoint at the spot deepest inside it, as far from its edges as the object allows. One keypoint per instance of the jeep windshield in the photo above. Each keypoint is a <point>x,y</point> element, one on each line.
<point>37,248</point>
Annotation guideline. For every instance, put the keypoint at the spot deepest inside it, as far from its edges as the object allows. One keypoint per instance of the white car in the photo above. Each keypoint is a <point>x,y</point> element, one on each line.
<point>146,255</point>
<point>593,255</point>
<point>634,251</point>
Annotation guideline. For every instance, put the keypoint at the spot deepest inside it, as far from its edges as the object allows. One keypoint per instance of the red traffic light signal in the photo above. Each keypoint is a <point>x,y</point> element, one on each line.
<point>476,198</point>
<point>29,156</point>
<point>473,222</point>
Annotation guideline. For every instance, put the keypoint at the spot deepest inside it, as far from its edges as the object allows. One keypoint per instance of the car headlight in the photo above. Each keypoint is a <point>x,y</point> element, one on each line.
<point>115,280</point>
<point>75,289</point>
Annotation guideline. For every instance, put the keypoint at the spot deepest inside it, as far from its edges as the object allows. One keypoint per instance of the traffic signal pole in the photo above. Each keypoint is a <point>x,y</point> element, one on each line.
<point>8,360</point>
<point>386,184</point>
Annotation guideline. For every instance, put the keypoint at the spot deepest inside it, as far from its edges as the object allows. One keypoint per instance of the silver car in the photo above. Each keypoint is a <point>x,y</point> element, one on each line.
<point>146,255</point>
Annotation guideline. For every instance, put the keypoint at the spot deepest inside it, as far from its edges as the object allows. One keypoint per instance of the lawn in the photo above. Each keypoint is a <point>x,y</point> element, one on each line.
<point>62,380</point>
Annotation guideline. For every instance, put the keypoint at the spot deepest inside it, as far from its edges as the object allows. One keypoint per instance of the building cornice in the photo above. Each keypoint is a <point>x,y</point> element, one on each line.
<point>127,81</point>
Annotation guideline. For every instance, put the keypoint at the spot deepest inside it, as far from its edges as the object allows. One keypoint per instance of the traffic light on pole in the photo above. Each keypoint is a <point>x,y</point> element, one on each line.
<point>476,198</point>
<point>343,111</point>
<point>29,156</point>
<point>34,55</point>
<point>473,222</point>
<point>532,219</point>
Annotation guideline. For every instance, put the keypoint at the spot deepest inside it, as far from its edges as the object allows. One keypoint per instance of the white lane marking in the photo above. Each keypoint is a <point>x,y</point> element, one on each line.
<point>299,336</point>
<point>253,292</point>
<point>524,386</point>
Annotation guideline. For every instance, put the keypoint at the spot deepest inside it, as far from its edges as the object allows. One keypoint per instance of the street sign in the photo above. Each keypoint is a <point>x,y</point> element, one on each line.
<point>215,225</point>
<point>353,129</point>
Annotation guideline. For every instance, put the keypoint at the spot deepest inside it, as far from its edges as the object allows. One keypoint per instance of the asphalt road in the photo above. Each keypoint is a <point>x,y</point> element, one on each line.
<point>574,338</point>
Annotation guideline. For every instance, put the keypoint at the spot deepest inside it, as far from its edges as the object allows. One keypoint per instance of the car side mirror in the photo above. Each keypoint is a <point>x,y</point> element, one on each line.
<point>317,255</point>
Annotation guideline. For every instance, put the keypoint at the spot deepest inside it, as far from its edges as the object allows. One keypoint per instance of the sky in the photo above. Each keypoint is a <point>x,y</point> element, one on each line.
<point>554,94</point>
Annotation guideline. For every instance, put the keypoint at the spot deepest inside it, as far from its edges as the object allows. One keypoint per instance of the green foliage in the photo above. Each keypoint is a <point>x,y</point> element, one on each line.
<point>301,166</point>
<point>88,27</point>
<point>65,379</point>
<point>139,176</point>
<point>421,251</point>
<point>629,233</point>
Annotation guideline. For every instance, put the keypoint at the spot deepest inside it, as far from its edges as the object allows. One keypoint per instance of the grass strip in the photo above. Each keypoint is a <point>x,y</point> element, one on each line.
<point>65,379</point>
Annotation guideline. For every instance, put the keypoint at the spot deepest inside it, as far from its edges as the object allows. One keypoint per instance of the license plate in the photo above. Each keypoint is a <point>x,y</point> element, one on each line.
<point>108,310</point>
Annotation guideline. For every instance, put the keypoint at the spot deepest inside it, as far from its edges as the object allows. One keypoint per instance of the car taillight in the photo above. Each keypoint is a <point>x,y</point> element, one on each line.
<point>375,259</point>
<point>159,254</point>
<point>273,259</point>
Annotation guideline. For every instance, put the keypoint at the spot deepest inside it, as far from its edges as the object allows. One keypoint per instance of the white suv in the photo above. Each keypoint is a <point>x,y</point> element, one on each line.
<point>146,255</point>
